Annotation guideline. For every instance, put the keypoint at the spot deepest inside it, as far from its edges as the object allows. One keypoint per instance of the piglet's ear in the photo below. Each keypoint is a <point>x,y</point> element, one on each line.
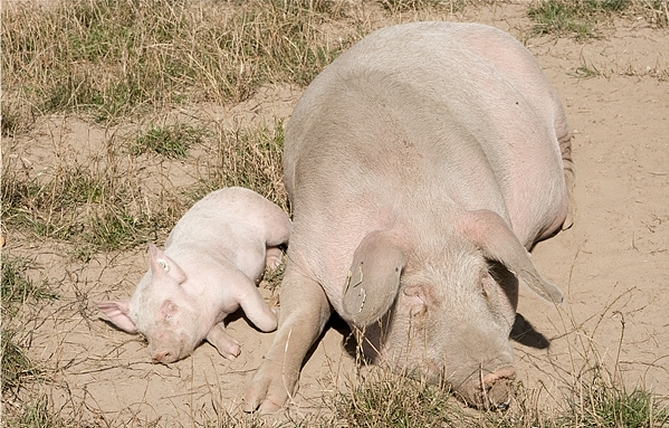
<point>488,231</point>
<point>162,266</point>
<point>117,312</point>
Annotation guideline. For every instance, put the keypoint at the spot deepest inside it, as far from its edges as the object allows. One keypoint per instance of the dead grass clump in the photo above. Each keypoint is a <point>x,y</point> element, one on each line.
<point>389,400</point>
<point>582,19</point>
<point>92,206</point>
<point>575,18</point>
<point>250,158</point>
<point>17,290</point>
<point>171,141</point>
<point>395,7</point>
<point>15,363</point>
<point>597,400</point>
<point>656,12</point>
<point>108,204</point>
<point>110,58</point>
<point>17,287</point>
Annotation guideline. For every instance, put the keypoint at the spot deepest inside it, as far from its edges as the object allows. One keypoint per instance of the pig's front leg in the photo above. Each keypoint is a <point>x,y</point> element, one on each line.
<point>304,312</point>
<point>227,345</point>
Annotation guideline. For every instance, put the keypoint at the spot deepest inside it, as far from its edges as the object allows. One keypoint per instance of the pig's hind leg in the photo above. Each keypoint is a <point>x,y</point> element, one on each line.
<point>565,137</point>
<point>226,345</point>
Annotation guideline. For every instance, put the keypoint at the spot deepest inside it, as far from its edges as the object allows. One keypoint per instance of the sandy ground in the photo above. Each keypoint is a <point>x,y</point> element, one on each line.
<point>613,264</point>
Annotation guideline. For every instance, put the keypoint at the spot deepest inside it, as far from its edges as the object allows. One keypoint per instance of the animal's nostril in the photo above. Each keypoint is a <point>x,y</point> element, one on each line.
<point>161,357</point>
<point>496,394</point>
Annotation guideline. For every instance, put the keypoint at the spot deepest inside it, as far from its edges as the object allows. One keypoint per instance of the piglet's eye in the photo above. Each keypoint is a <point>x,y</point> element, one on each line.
<point>168,310</point>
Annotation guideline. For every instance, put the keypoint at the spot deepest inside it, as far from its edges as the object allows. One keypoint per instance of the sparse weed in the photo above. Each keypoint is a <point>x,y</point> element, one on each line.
<point>599,401</point>
<point>15,363</point>
<point>576,18</point>
<point>38,413</point>
<point>389,400</point>
<point>103,207</point>
<point>172,141</point>
<point>400,6</point>
<point>17,287</point>
<point>585,70</point>
<point>250,158</point>
<point>89,207</point>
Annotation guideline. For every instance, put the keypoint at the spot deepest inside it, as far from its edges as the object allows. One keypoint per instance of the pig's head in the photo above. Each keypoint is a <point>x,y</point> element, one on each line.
<point>160,309</point>
<point>446,313</point>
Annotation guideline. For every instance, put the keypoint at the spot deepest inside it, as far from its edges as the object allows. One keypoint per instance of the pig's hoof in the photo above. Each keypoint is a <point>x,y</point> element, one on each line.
<point>266,407</point>
<point>268,390</point>
<point>233,352</point>
<point>568,221</point>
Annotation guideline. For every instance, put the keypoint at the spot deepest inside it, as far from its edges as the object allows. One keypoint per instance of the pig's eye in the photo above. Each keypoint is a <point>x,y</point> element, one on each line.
<point>483,279</point>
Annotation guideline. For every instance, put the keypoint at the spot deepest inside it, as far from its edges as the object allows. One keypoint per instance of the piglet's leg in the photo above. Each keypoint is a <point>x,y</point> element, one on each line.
<point>273,258</point>
<point>254,306</point>
<point>227,345</point>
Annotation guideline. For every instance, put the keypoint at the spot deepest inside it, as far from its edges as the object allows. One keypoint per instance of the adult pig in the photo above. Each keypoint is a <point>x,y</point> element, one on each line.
<point>213,259</point>
<point>421,165</point>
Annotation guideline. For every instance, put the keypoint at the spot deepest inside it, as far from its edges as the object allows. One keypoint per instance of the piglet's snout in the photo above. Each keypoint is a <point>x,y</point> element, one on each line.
<point>164,357</point>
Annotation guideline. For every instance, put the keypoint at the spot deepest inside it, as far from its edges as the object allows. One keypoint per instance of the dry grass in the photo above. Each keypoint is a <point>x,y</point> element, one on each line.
<point>113,59</point>
<point>585,19</point>
<point>123,68</point>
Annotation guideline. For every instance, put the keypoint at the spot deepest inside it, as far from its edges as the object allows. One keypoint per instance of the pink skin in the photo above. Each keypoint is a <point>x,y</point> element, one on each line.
<point>422,158</point>
<point>213,260</point>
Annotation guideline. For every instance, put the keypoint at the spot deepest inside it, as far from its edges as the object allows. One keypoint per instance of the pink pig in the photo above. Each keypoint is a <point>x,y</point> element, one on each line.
<point>213,259</point>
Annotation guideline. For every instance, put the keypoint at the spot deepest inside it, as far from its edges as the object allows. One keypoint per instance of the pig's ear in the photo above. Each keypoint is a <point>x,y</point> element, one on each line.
<point>488,231</point>
<point>374,279</point>
<point>162,265</point>
<point>117,313</point>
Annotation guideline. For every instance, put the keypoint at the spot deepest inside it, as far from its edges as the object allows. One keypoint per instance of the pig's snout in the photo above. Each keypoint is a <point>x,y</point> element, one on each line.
<point>492,390</point>
<point>164,356</point>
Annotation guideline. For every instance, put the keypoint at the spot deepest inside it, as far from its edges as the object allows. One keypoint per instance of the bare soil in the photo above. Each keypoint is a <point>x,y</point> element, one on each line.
<point>613,264</point>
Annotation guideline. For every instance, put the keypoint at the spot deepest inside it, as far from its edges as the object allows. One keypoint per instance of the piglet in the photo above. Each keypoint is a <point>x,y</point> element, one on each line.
<point>213,259</point>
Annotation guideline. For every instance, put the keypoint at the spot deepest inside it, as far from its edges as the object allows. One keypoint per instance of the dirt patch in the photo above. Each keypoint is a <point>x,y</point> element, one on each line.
<point>613,263</point>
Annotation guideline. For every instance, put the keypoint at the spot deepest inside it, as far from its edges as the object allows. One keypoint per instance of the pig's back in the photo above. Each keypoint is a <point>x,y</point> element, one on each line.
<point>415,122</point>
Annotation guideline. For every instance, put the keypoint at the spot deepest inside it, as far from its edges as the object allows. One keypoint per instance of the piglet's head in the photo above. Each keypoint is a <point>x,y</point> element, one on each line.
<point>160,309</point>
